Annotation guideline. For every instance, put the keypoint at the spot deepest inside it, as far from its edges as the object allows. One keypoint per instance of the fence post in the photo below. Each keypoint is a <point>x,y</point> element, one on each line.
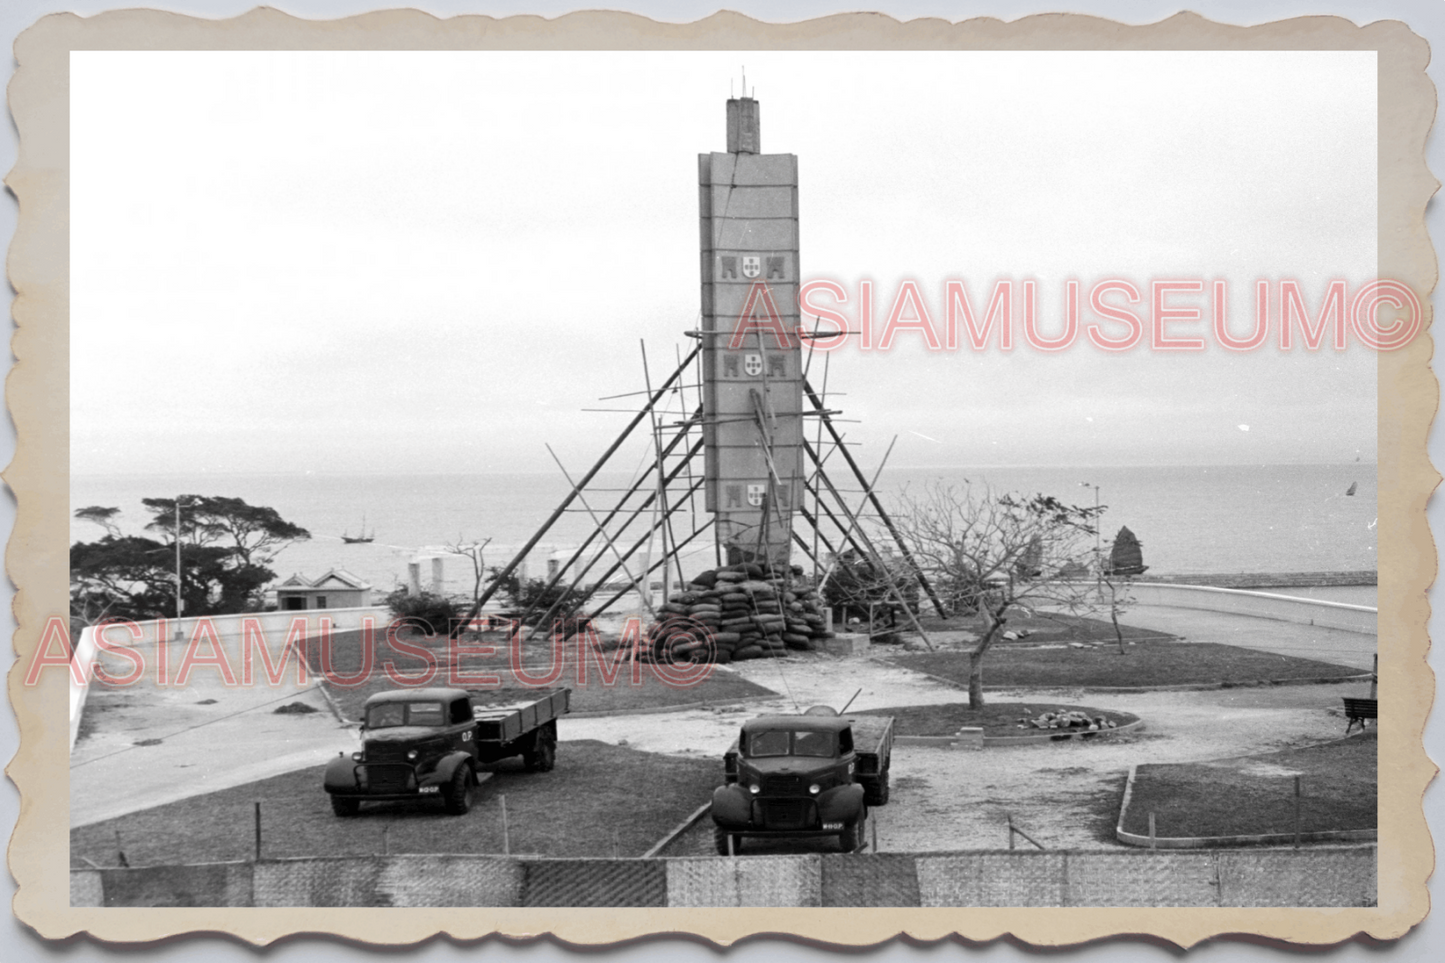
<point>1010,830</point>
<point>258,830</point>
<point>506,837</point>
<point>1296,811</point>
<point>1151,832</point>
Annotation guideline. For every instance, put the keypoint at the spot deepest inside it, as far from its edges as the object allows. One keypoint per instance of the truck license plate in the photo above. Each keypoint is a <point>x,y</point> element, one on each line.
<point>429,789</point>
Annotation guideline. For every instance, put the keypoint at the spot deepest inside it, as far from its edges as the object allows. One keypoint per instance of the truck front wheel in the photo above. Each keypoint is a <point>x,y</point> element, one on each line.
<point>342,806</point>
<point>721,838</point>
<point>459,792</point>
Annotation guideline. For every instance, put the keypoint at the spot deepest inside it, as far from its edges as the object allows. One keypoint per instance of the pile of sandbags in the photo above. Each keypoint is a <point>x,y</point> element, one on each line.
<point>749,612</point>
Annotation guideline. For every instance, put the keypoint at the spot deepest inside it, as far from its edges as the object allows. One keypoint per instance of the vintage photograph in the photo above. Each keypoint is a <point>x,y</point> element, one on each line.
<point>731,478</point>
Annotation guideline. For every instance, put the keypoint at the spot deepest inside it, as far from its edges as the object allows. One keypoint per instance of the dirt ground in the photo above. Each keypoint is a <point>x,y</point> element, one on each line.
<point>1065,795</point>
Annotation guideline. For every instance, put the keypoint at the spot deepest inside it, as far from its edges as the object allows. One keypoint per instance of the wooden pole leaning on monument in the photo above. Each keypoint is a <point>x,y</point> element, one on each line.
<point>705,528</point>
<point>877,505</point>
<point>645,596</point>
<point>652,530</point>
<point>576,490</point>
<point>581,573</point>
<point>872,552</point>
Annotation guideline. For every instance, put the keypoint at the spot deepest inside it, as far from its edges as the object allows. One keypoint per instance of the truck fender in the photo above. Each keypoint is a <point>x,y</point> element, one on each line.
<point>446,767</point>
<point>732,805</point>
<point>841,804</point>
<point>341,775</point>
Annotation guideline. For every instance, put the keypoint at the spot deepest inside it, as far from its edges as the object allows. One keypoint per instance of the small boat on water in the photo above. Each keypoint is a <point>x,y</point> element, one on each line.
<point>1127,557</point>
<point>361,539</point>
<point>1353,487</point>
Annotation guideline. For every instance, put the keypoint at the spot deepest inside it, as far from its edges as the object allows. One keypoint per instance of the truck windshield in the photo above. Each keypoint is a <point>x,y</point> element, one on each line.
<point>783,742</point>
<point>389,714</point>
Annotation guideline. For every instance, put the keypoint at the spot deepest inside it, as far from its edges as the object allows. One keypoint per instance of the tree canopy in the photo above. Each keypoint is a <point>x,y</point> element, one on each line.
<point>225,548</point>
<point>991,554</point>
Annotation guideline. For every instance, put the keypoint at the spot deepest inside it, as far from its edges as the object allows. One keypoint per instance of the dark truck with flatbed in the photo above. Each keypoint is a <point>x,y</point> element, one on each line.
<point>799,776</point>
<point>431,743</point>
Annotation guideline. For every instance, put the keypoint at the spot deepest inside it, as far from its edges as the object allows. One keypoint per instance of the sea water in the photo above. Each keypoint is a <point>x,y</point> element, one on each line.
<point>1190,520</point>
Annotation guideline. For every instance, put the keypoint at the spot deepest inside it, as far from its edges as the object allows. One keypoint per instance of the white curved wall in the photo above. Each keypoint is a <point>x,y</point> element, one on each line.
<point>1260,605</point>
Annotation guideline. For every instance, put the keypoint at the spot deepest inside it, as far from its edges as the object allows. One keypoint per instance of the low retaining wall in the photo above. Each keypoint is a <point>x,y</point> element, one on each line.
<point>274,626</point>
<point>1260,605</point>
<point>1325,876</point>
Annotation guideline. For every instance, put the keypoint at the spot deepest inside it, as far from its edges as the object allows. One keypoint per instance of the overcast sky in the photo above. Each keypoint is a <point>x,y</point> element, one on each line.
<point>356,261</point>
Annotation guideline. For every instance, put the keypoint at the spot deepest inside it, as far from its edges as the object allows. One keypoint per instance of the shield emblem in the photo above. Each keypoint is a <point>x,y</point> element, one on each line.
<point>755,494</point>
<point>752,265</point>
<point>753,364</point>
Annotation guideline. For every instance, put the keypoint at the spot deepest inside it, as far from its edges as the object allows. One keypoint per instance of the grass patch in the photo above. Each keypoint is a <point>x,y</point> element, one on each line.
<point>1042,627</point>
<point>596,790</point>
<point>1148,663</point>
<point>996,719</point>
<point>1254,795</point>
<point>354,677</point>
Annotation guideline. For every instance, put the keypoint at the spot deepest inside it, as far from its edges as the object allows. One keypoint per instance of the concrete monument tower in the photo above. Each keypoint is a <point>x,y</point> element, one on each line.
<point>752,364</point>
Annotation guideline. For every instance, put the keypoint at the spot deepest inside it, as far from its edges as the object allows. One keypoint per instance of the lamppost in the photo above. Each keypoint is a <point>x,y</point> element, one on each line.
<point>1098,537</point>
<point>180,602</point>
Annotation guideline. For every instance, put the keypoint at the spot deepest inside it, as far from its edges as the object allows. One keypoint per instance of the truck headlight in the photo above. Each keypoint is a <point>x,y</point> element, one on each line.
<point>358,757</point>
<point>815,789</point>
<point>755,789</point>
<point>411,755</point>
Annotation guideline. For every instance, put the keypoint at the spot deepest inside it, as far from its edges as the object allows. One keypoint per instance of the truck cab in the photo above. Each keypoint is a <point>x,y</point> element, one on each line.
<point>796,776</point>
<point>420,743</point>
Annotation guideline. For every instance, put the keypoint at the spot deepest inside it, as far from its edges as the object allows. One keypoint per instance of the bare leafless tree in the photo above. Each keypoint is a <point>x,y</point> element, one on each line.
<point>994,554</point>
<point>472,552</point>
<point>1116,595</point>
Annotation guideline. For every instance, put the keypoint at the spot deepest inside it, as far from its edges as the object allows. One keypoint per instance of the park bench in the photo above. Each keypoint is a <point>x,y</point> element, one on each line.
<point>1359,710</point>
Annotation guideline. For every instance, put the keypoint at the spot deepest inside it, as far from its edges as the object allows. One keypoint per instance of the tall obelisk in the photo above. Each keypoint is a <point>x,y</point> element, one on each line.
<point>752,364</point>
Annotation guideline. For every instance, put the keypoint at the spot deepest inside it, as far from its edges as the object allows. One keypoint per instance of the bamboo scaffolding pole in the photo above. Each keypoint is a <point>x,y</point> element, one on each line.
<point>873,553</point>
<point>646,599</point>
<point>661,482</point>
<point>872,497</point>
<point>566,566</point>
<point>683,544</point>
<point>602,579</point>
<point>576,490</point>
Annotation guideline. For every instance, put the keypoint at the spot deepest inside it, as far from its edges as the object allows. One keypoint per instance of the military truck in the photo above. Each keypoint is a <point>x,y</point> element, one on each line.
<point>431,743</point>
<point>800,776</point>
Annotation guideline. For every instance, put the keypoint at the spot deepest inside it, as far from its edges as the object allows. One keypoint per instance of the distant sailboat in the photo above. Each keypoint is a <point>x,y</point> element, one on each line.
<point>1352,488</point>
<point>361,539</point>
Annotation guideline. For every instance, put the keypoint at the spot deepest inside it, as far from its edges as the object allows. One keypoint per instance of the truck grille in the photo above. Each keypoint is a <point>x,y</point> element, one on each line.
<point>786,784</point>
<point>787,813</point>
<point>387,779</point>
<point>386,752</point>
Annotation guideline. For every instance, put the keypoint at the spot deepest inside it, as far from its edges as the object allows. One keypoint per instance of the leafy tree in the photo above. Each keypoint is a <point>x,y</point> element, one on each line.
<point>434,612</point>
<point>104,517</point>
<point>994,554</point>
<point>225,547</point>
<point>534,598</point>
<point>855,585</point>
<point>255,534</point>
